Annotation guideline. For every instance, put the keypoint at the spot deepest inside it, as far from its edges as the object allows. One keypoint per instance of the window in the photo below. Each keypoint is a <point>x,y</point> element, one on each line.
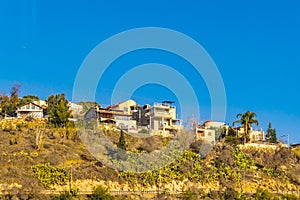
<point>125,118</point>
<point>200,133</point>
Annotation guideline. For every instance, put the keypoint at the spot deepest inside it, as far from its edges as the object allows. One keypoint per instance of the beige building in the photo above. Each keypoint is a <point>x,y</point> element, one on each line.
<point>162,119</point>
<point>119,114</point>
<point>159,119</point>
<point>125,106</point>
<point>255,135</point>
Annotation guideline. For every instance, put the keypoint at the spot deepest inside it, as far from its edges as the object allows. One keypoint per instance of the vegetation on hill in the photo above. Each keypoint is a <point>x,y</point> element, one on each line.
<point>226,171</point>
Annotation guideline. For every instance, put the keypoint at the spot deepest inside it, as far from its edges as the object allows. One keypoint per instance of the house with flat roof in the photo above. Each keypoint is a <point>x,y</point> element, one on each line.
<point>206,134</point>
<point>119,114</point>
<point>159,119</point>
<point>162,119</point>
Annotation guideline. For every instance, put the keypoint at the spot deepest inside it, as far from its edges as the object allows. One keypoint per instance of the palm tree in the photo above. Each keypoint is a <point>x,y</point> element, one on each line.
<point>246,119</point>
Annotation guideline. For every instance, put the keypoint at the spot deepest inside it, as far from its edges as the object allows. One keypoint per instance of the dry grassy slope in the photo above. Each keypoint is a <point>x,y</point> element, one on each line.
<point>133,142</point>
<point>18,154</point>
<point>60,148</point>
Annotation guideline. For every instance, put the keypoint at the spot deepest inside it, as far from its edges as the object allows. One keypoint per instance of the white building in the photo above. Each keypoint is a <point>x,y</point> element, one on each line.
<point>30,110</point>
<point>213,124</point>
<point>254,135</point>
<point>76,109</point>
<point>205,134</point>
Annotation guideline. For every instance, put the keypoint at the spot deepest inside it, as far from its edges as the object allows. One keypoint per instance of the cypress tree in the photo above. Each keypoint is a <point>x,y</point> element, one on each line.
<point>122,144</point>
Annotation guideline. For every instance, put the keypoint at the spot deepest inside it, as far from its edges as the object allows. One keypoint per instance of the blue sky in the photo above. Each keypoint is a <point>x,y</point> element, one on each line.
<point>255,45</point>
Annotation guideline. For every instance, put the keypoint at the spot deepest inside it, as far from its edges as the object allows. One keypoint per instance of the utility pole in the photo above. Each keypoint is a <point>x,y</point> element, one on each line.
<point>71,179</point>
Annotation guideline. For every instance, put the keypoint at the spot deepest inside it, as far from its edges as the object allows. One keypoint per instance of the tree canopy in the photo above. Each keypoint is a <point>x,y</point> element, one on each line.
<point>246,119</point>
<point>9,104</point>
<point>58,110</point>
<point>271,134</point>
<point>28,98</point>
<point>121,144</point>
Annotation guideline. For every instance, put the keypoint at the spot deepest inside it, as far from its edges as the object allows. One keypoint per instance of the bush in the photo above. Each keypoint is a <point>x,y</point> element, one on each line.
<point>100,193</point>
<point>265,194</point>
<point>233,140</point>
<point>64,196</point>
<point>189,194</point>
<point>230,193</point>
<point>19,127</point>
<point>143,131</point>
<point>290,197</point>
<point>242,160</point>
<point>49,175</point>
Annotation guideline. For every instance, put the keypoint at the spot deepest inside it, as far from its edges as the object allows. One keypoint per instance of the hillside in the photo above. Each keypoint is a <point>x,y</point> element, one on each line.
<point>27,147</point>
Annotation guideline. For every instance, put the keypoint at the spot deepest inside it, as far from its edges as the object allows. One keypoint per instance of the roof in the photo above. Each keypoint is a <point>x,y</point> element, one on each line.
<point>167,101</point>
<point>29,103</point>
<point>116,104</point>
<point>295,145</point>
<point>39,102</point>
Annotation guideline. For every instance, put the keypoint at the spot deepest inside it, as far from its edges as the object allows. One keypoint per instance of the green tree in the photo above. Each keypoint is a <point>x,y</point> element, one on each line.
<point>4,99</point>
<point>246,119</point>
<point>9,109</point>
<point>9,104</point>
<point>271,134</point>
<point>58,110</point>
<point>28,98</point>
<point>121,144</point>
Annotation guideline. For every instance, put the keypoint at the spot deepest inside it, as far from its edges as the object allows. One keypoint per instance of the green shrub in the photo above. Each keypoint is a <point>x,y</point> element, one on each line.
<point>67,195</point>
<point>143,131</point>
<point>242,160</point>
<point>233,140</point>
<point>188,195</point>
<point>231,193</point>
<point>290,197</point>
<point>262,194</point>
<point>19,127</point>
<point>64,196</point>
<point>100,193</point>
<point>49,175</point>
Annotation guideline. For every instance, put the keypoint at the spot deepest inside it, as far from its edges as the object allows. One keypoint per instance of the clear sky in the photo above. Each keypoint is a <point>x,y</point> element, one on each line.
<point>255,45</point>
